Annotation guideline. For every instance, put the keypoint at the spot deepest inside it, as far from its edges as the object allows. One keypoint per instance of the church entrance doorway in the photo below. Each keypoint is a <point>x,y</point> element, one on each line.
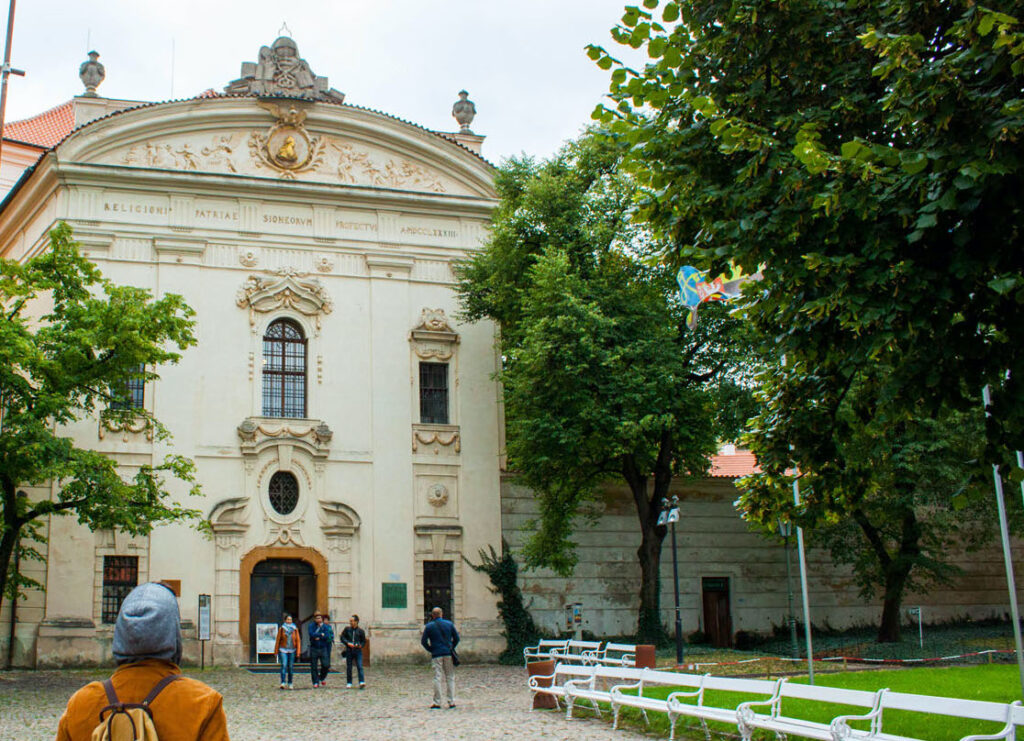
<point>278,587</point>
<point>274,580</point>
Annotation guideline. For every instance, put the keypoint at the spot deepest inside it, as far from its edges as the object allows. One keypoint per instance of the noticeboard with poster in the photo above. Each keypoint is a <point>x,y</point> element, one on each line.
<point>266,637</point>
<point>204,617</point>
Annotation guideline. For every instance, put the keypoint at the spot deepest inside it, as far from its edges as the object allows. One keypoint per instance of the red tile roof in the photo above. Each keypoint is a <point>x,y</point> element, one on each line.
<point>733,466</point>
<point>44,130</point>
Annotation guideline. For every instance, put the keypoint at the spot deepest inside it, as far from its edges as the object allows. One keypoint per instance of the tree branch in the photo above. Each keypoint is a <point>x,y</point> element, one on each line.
<point>874,537</point>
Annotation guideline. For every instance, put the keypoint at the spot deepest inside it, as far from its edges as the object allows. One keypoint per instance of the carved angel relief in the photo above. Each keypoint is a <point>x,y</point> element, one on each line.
<point>360,167</point>
<point>289,290</point>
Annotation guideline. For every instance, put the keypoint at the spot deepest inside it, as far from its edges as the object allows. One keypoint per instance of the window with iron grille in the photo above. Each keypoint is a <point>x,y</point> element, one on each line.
<point>434,393</point>
<point>120,576</point>
<point>133,394</point>
<point>284,370</point>
<point>283,492</point>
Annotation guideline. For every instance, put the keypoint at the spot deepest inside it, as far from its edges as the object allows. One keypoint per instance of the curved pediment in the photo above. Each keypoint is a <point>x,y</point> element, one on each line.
<point>281,139</point>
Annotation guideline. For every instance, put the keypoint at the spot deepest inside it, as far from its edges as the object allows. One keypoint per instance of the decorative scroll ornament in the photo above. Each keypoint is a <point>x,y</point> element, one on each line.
<point>253,433</point>
<point>423,436</point>
<point>289,290</point>
<point>281,71</point>
<point>433,338</point>
<point>126,427</point>
<point>286,146</point>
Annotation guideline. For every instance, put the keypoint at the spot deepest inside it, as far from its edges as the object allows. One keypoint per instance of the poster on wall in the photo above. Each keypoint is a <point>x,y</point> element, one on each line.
<point>266,636</point>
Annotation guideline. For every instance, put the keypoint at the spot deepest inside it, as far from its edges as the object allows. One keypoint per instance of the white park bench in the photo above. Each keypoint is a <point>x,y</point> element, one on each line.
<point>615,654</point>
<point>877,702</point>
<point>576,652</point>
<point>575,684</point>
<point>542,650</point>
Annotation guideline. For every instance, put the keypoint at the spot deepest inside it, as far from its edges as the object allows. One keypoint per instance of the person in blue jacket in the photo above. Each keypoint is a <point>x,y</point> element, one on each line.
<point>318,647</point>
<point>440,638</point>
<point>326,658</point>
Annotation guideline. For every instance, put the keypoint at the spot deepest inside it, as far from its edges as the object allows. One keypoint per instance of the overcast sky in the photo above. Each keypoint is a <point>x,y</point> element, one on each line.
<point>522,61</point>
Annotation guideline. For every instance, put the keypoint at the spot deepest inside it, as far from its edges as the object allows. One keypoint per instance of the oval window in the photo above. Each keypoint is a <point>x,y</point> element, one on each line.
<point>284,492</point>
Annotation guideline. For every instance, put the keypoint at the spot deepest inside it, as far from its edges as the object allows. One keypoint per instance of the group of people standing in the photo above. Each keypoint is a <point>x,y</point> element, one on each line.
<point>321,643</point>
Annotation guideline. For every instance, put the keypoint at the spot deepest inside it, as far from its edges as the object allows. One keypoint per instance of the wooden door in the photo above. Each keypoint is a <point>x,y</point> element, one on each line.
<point>437,588</point>
<point>717,617</point>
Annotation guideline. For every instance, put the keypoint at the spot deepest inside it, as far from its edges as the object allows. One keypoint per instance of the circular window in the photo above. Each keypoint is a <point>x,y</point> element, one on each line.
<point>283,492</point>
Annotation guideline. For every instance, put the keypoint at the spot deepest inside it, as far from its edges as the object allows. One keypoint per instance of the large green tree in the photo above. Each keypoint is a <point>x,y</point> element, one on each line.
<point>70,341</point>
<point>602,380</point>
<point>867,155</point>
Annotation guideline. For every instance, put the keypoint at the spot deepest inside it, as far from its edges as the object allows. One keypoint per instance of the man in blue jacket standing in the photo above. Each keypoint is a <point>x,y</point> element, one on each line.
<point>441,638</point>
<point>318,647</point>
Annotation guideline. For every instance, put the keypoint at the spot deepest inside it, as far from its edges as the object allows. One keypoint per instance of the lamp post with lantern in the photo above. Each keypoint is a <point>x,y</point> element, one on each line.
<point>670,516</point>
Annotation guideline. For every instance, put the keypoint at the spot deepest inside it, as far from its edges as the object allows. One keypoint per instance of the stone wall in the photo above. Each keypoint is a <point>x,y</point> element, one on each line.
<point>714,542</point>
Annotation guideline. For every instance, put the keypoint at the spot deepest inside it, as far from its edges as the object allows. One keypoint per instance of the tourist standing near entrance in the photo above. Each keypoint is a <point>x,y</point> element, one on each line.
<point>147,650</point>
<point>353,638</point>
<point>287,646</point>
<point>319,636</point>
<point>441,638</point>
<point>326,668</point>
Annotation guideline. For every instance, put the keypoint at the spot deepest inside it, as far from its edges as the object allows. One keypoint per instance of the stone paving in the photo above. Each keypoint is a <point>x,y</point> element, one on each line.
<point>493,703</point>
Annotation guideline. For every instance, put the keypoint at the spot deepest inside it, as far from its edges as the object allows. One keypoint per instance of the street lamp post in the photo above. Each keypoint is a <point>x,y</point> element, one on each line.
<point>670,515</point>
<point>786,530</point>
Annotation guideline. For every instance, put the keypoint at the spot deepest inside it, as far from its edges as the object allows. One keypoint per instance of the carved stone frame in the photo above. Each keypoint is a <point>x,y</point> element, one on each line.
<point>434,340</point>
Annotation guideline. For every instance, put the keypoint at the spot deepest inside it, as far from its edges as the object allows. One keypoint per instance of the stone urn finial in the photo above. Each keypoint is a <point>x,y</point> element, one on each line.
<point>91,73</point>
<point>464,112</point>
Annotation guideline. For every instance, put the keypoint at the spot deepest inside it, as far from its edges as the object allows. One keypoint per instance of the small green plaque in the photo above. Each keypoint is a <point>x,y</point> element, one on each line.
<point>393,595</point>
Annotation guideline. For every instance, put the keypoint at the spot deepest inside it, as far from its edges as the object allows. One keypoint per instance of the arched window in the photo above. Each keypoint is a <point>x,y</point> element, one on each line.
<point>284,370</point>
<point>283,492</point>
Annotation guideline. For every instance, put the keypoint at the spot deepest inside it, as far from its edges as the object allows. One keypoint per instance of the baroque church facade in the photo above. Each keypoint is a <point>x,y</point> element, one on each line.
<point>345,427</point>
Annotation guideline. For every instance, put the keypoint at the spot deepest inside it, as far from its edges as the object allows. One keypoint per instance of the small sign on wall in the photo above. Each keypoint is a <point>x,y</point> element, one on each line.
<point>393,595</point>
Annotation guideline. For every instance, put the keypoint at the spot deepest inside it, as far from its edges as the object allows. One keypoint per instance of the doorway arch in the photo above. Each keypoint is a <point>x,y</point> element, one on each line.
<point>263,553</point>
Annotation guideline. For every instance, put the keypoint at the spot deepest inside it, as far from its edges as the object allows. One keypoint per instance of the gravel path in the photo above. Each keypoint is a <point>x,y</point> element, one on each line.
<point>492,704</point>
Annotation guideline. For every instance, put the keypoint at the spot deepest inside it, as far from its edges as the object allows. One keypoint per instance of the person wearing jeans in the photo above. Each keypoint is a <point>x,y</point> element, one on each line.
<point>440,638</point>
<point>319,635</point>
<point>353,638</point>
<point>287,645</point>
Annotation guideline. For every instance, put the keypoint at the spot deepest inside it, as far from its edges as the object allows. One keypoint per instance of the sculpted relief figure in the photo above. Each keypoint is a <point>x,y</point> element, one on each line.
<point>281,71</point>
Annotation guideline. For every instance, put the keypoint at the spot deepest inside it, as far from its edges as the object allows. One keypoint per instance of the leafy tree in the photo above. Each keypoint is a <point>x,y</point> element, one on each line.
<point>897,503</point>
<point>868,156</point>
<point>70,341</point>
<point>602,379</point>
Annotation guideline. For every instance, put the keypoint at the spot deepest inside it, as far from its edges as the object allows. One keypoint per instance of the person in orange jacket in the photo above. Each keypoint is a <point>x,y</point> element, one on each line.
<point>147,649</point>
<point>287,646</point>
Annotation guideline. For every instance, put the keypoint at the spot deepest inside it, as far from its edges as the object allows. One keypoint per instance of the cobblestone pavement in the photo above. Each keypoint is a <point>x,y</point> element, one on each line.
<point>492,702</point>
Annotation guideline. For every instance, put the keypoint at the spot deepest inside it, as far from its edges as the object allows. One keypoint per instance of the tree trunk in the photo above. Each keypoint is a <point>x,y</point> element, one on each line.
<point>649,626</point>
<point>11,526</point>
<point>889,629</point>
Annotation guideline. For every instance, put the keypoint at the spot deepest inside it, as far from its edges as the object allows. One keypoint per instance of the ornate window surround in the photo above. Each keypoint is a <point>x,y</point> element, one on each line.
<point>434,340</point>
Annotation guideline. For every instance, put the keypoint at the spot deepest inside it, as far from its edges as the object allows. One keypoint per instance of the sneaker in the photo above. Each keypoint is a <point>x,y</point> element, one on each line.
<point>315,685</point>
<point>290,686</point>
<point>362,685</point>
<point>348,686</point>
<point>435,707</point>
<point>283,685</point>
<point>451,705</point>
<point>323,682</point>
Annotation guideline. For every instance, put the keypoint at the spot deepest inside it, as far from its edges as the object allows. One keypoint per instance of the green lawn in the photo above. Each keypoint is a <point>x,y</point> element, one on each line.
<point>995,682</point>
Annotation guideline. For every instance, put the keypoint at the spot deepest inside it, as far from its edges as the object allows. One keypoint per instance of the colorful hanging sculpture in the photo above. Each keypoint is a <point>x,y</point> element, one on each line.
<point>695,290</point>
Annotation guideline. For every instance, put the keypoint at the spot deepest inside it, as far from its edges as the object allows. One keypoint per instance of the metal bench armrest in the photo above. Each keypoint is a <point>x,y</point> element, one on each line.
<point>1007,732</point>
<point>745,713</point>
<point>574,683</point>
<point>616,691</point>
<point>533,682</point>
<point>840,726</point>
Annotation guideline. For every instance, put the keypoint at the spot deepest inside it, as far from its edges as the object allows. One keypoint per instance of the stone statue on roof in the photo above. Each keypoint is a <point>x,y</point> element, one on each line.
<point>281,71</point>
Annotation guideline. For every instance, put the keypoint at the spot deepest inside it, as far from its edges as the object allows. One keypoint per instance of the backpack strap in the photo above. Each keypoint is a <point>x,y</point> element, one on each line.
<point>159,688</point>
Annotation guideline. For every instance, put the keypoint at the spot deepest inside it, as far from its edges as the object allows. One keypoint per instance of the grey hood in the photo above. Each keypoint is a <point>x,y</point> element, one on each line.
<point>148,626</point>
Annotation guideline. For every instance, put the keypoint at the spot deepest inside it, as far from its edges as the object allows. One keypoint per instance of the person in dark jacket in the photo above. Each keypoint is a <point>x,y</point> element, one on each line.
<point>440,638</point>
<point>353,638</point>
<point>326,667</point>
<point>318,642</point>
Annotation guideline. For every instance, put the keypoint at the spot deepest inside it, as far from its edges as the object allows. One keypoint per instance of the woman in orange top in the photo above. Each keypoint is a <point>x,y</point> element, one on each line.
<point>287,646</point>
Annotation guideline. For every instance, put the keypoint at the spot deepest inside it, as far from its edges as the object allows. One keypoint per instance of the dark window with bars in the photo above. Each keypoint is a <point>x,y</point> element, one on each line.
<point>434,393</point>
<point>284,370</point>
<point>133,394</point>
<point>283,492</point>
<point>120,576</point>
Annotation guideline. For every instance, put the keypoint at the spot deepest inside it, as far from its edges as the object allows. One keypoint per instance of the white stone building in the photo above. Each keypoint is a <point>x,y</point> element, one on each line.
<point>346,429</point>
